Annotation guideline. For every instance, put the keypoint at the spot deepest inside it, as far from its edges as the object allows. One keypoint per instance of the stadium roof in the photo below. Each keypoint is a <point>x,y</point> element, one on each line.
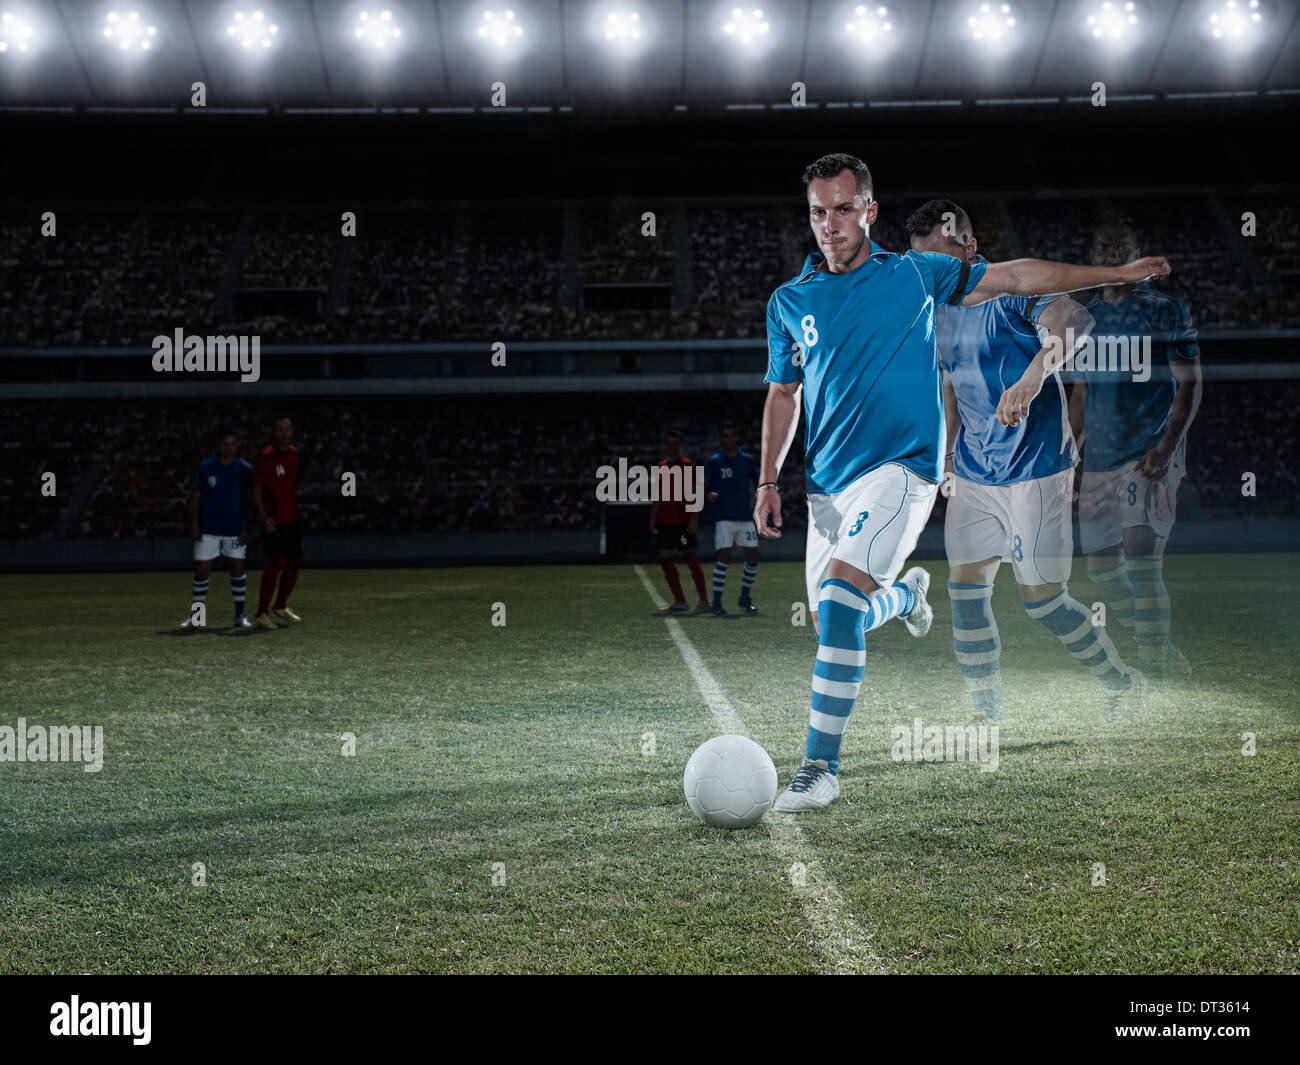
<point>555,53</point>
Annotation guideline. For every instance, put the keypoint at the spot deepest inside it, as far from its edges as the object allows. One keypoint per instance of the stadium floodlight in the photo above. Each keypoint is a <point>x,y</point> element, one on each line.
<point>377,30</point>
<point>1111,21</point>
<point>252,31</point>
<point>873,24</point>
<point>500,31</point>
<point>746,29</point>
<point>993,22</point>
<point>622,27</point>
<point>17,34</point>
<point>1236,22</point>
<point>128,31</point>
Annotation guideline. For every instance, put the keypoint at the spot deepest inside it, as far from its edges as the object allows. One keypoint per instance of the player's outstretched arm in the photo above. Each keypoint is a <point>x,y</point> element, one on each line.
<point>259,505</point>
<point>1042,277</point>
<point>195,532</point>
<point>951,421</point>
<point>1187,373</point>
<point>780,420</point>
<point>1066,324</point>
<point>1078,397</point>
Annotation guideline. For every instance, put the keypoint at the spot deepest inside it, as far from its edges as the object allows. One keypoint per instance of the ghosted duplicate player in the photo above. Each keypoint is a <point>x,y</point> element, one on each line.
<point>855,334</point>
<point>1134,428</point>
<point>218,503</point>
<point>275,497</point>
<point>674,528</point>
<point>1012,457</point>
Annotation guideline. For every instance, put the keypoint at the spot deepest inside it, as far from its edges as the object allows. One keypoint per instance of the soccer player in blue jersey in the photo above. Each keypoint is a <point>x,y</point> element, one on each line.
<point>1012,456</point>
<point>728,476</point>
<point>218,502</point>
<point>1134,400</point>
<point>855,334</point>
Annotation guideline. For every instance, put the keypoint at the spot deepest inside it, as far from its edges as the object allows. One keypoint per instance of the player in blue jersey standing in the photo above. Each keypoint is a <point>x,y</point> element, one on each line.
<point>728,477</point>
<point>1012,456</point>
<point>218,503</point>
<point>1134,403</point>
<point>855,334</point>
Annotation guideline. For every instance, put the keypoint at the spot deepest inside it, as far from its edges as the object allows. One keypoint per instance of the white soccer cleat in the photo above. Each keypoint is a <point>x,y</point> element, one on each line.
<point>814,787</point>
<point>921,617</point>
<point>189,624</point>
<point>242,622</point>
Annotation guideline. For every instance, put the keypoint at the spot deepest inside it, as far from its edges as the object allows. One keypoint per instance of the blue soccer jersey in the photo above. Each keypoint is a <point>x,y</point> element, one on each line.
<point>1138,336</point>
<point>731,478</point>
<point>222,490</point>
<point>863,345</point>
<point>986,349</point>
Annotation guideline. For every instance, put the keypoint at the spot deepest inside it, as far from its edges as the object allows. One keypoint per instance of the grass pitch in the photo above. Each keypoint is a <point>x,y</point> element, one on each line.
<point>508,810</point>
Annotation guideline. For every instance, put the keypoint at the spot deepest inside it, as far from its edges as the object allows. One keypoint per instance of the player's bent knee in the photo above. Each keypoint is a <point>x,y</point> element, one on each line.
<point>860,580</point>
<point>1036,593</point>
<point>974,572</point>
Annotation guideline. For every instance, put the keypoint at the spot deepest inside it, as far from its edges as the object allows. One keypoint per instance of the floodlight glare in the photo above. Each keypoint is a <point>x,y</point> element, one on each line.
<point>128,32</point>
<point>1112,20</point>
<point>1235,21</point>
<point>870,23</point>
<point>747,25</point>
<point>16,34</point>
<point>377,29</point>
<point>500,30</point>
<point>622,26</point>
<point>252,30</point>
<point>991,22</point>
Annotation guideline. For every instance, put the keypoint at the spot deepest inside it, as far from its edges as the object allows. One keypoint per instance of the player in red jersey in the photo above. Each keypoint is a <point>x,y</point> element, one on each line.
<point>674,528</point>
<point>275,498</point>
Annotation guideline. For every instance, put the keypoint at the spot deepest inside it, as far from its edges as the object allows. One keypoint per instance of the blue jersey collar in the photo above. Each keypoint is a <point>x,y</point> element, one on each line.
<point>816,258</point>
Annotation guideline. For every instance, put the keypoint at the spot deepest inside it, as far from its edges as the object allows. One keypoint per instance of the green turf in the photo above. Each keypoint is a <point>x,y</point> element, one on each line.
<point>523,745</point>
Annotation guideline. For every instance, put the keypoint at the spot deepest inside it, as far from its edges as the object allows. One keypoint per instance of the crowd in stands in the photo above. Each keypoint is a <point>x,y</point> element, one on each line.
<point>435,463</point>
<point>442,273</point>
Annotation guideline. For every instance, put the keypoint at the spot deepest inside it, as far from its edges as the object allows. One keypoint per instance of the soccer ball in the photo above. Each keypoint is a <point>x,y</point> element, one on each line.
<point>730,782</point>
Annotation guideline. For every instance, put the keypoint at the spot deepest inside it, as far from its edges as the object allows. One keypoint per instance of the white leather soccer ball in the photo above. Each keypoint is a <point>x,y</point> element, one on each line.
<point>730,782</point>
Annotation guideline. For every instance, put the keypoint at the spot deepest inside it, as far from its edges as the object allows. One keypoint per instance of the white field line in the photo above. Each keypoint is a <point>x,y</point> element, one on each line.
<point>841,939</point>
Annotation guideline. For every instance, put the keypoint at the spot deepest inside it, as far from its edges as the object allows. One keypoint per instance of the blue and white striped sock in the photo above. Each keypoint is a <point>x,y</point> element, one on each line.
<point>747,580</point>
<point>199,589</point>
<point>844,617</point>
<point>1146,574</point>
<point>239,588</point>
<point>1117,590</point>
<point>975,641</point>
<point>1071,622</point>
<point>719,581</point>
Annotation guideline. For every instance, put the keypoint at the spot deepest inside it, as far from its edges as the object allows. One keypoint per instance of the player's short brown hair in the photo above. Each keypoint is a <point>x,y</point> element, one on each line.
<point>921,222</point>
<point>1117,220</point>
<point>828,166</point>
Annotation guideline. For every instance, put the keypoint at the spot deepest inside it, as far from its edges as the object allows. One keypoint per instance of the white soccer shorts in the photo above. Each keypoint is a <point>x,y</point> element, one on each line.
<point>1026,523</point>
<point>211,546</point>
<point>872,525</point>
<point>734,534</point>
<point>1114,500</point>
